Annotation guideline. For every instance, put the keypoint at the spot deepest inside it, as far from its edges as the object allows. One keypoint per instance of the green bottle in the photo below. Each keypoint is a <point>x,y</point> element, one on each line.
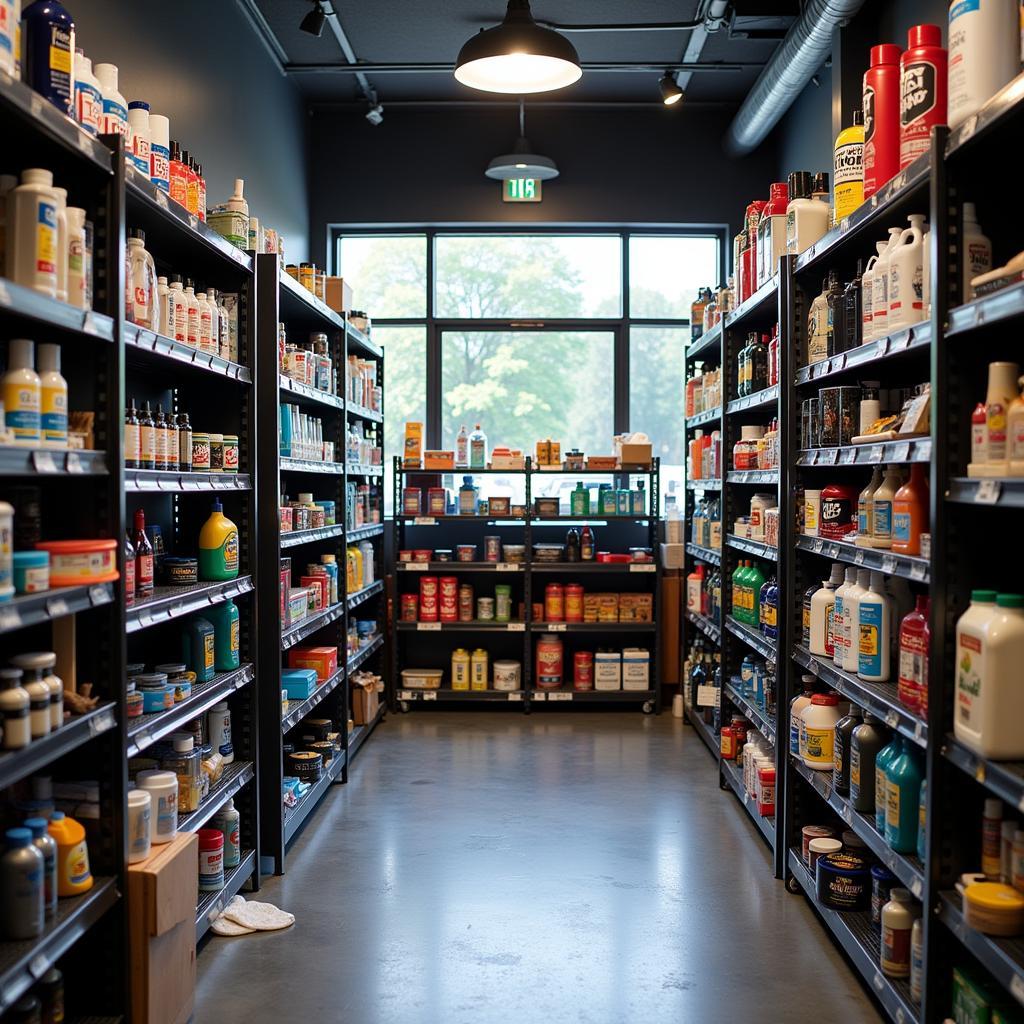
<point>218,546</point>
<point>224,618</point>
<point>886,756</point>
<point>198,647</point>
<point>737,591</point>
<point>579,501</point>
<point>903,795</point>
<point>755,581</point>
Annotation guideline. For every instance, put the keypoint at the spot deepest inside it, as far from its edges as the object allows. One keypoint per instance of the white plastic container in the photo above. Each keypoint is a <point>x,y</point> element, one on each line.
<point>867,293</point>
<point>851,621</point>
<point>78,284</point>
<point>812,512</point>
<point>62,243</point>
<point>989,707</point>
<point>636,668</point>
<point>607,670</point>
<point>206,342</point>
<point>115,108</point>
<point>807,220</point>
<point>796,708</point>
<point>53,392</point>
<point>880,290</point>
<point>984,53</point>
<point>218,723</point>
<point>22,395</point>
<point>31,258</point>
<point>176,320</point>
<point>142,300</point>
<point>163,790</point>
<point>977,251</point>
<point>88,95</point>
<point>881,507</point>
<point>906,267</point>
<point>138,123</point>
<point>160,151</point>
<point>822,608</point>
<point>873,631</point>
<point>192,332</point>
<point>508,675</point>
<point>838,615</point>
<point>819,727</point>
<point>140,824</point>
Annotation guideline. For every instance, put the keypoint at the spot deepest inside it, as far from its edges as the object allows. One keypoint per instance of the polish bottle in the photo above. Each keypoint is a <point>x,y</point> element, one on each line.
<point>880,289</point>
<point>867,295</point>
<point>115,107</point>
<point>160,151</point>
<point>873,632</point>
<point>851,621</point>
<point>910,512</point>
<point>881,103</point>
<point>771,232</point>
<point>984,54</point>
<point>48,47</point>
<point>923,68</point>
<point>883,759</point>
<point>906,269</point>
<point>977,251</point>
<point>841,748</point>
<point>866,740</point>
<point>88,95</point>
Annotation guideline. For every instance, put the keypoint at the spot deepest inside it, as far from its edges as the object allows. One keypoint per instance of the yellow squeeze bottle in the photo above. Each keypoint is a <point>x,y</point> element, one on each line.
<point>73,874</point>
<point>218,547</point>
<point>848,169</point>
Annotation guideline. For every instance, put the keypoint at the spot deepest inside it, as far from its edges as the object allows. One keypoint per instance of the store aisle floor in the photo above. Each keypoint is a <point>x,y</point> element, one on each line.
<point>491,868</point>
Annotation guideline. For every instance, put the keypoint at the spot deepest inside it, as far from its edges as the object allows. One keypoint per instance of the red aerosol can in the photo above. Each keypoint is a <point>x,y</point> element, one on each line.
<point>922,90</point>
<point>881,117</point>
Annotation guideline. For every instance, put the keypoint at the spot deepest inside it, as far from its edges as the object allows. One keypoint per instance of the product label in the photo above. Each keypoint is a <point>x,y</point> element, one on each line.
<point>177,316</point>
<point>76,863</point>
<point>230,550</point>
<point>970,661</point>
<point>55,414</point>
<point>46,238</point>
<point>61,44</point>
<point>193,325</point>
<point>836,517</point>
<point>131,442</point>
<point>115,118</point>
<point>868,106</point>
<point>88,107</point>
<point>143,573</point>
<point>892,805</point>
<point>854,772</point>
<point>167,815</point>
<point>234,638</point>
<point>896,951</point>
<point>794,736</point>
<point>830,632</point>
<point>883,519</point>
<point>918,100</point>
<point>140,153</point>
<point>819,746</point>
<point>147,445</point>
<point>160,166</point>
<point>22,417</point>
<point>997,426</point>
<point>901,527</point>
<point>848,178</point>
<point>869,662</point>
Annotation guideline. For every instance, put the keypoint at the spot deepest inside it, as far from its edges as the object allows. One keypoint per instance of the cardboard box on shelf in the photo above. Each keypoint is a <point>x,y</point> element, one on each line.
<point>163,891</point>
<point>631,454</point>
<point>338,294</point>
<point>413,448</point>
<point>365,697</point>
<point>437,458</point>
<point>636,668</point>
<point>323,659</point>
<point>672,556</point>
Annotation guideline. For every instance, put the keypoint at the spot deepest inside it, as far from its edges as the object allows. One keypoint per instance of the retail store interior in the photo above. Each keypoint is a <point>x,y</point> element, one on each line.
<point>496,504</point>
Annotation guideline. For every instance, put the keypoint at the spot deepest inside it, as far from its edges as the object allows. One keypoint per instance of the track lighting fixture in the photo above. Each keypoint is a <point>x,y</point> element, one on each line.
<point>313,22</point>
<point>671,94</point>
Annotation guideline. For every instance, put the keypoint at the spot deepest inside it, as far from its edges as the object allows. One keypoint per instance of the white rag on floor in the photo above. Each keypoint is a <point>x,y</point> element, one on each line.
<point>243,917</point>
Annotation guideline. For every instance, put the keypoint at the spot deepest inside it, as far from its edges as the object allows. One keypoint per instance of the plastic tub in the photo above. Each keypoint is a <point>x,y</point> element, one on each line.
<point>422,678</point>
<point>81,562</point>
<point>31,572</point>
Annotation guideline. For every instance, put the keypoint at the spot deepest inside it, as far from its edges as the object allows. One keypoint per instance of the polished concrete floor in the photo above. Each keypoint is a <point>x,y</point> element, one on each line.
<point>493,868</point>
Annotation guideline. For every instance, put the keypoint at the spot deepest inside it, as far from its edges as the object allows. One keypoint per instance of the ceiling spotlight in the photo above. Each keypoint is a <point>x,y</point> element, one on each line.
<point>313,22</point>
<point>522,162</point>
<point>518,56</point>
<point>671,94</point>
<point>375,114</point>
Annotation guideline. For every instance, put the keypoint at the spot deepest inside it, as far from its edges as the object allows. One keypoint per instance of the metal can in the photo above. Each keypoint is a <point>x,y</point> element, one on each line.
<point>412,501</point>
<point>200,452</point>
<point>502,603</point>
<point>410,607</point>
<point>216,453</point>
<point>573,602</point>
<point>465,552</point>
<point>507,675</point>
<point>449,588</point>
<point>428,599</point>
<point>466,603</point>
<point>317,518</point>
<point>554,603</point>
<point>287,517</point>
<point>548,663</point>
<point>460,669</point>
<point>230,453</point>
<point>485,609</point>
<point>583,670</point>
<point>492,549</point>
<point>436,501</point>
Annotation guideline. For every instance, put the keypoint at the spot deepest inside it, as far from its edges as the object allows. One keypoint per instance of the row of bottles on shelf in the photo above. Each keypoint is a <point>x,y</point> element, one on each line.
<point>703,392</point>
<point>758,683</point>
<point>704,593</point>
<point>706,523</point>
<point>741,742</point>
<point>997,425</point>
<point>704,456</point>
<point>757,363</point>
<point>758,447</point>
<point>709,308</point>
<point>703,667</point>
<point>755,597</point>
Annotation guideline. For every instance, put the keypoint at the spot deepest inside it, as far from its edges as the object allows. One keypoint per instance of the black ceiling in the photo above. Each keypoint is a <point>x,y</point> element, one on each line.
<point>390,31</point>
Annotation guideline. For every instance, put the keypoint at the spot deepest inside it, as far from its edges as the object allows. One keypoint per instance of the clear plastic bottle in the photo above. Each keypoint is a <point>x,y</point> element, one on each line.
<point>142,302</point>
<point>478,448</point>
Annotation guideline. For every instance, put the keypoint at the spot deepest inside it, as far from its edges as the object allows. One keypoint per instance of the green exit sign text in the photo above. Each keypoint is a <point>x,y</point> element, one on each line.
<point>521,190</point>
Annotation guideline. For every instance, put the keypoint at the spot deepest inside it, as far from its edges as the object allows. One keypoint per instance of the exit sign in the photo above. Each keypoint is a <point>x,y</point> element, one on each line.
<point>521,190</point>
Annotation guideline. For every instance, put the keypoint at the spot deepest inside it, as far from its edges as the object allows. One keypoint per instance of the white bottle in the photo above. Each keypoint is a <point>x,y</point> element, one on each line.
<point>160,151</point>
<point>977,251</point>
<point>143,303</point>
<point>838,615</point>
<point>984,53</point>
<point>62,243</point>
<point>88,95</point>
<point>873,619</point>
<point>211,299</point>
<point>177,311</point>
<point>822,610</point>
<point>163,291</point>
<point>219,730</point>
<point>867,292</point>
<point>224,328</point>
<point>818,729</point>
<point>851,621</point>
<point>807,217</point>
<point>880,290</point>
<point>192,329</point>
<point>205,324</point>
<point>31,258</point>
<point>881,507</point>
<point>865,509</point>
<point>22,396</point>
<point>78,291</point>
<point>53,393</point>
<point>906,267</point>
<point>138,123</point>
<point>817,327</point>
<point>115,109</point>
<point>989,704</point>
<point>1002,390</point>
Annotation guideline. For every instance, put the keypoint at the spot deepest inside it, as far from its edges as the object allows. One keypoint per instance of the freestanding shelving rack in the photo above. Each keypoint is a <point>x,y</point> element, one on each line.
<point>414,643</point>
<point>950,351</point>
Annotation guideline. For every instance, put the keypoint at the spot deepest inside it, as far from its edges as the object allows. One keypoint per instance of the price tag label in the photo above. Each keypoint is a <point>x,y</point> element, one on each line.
<point>882,345</point>
<point>643,567</point>
<point>707,696</point>
<point>892,719</point>
<point>57,607</point>
<point>517,696</point>
<point>813,457</point>
<point>848,456</point>
<point>559,696</point>
<point>968,129</point>
<point>847,814</point>
<point>508,567</point>
<point>817,545</point>
<point>878,981</point>
<point>918,571</point>
<point>556,627</point>
<point>424,521</point>
<point>73,464</point>
<point>916,887</point>
<point>988,492</point>
<point>889,564</point>
<point>416,566</point>
<point>44,462</point>
<point>429,695</point>
<point>428,627</point>
<point>405,695</point>
<point>979,772</point>
<point>538,696</point>
<point>876,453</point>
<point>38,965</point>
<point>831,456</point>
<point>900,452</point>
<point>161,199</point>
<point>516,627</point>
<point>858,559</point>
<point>101,722</point>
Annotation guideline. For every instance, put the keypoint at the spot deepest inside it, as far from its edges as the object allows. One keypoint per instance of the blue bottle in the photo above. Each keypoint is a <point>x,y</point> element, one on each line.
<point>885,757</point>
<point>48,40</point>
<point>903,793</point>
<point>747,677</point>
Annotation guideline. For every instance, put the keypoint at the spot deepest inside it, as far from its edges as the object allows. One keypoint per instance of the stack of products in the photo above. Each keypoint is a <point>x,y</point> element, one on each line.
<point>762,523</point>
<point>308,362</point>
<point>362,386</point>
<point>318,589</point>
<point>997,425</point>
<point>704,456</point>
<point>710,307</point>
<point>757,448</point>
<point>602,670</point>
<point>333,291</point>
<point>864,414</point>
<point>706,523</point>
<point>445,599</point>
<point>755,597</point>
<point>757,363</point>
<point>757,683</point>
<point>703,392</point>
<point>309,750</point>
<point>362,447</point>
<point>739,741</point>
<point>362,505</point>
<point>703,668</point>
<point>303,513</point>
<point>361,633</point>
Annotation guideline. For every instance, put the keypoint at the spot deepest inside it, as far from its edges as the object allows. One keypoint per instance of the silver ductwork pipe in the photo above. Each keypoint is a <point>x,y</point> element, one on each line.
<point>800,54</point>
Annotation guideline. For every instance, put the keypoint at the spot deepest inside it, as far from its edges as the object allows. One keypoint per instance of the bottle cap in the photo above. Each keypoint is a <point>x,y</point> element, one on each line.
<point>825,700</point>
<point>885,53</point>
<point>924,35</point>
<point>858,117</point>
<point>18,837</point>
<point>49,358</point>
<point>983,596</point>
<point>138,105</point>
<point>820,183</point>
<point>1010,601</point>
<point>800,185</point>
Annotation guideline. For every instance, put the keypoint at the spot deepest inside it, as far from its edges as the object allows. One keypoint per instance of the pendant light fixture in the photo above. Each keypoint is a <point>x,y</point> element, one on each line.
<point>518,56</point>
<point>522,162</point>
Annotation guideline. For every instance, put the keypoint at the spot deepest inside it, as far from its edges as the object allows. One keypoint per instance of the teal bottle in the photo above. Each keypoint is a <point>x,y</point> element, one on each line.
<point>579,501</point>
<point>886,756</point>
<point>903,791</point>
<point>224,618</point>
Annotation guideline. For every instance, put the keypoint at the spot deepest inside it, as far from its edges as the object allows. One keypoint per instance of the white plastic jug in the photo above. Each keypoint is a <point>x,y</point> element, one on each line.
<point>906,269</point>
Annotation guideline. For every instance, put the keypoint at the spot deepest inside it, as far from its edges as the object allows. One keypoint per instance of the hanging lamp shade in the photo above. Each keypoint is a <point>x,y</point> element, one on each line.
<point>518,56</point>
<point>522,162</point>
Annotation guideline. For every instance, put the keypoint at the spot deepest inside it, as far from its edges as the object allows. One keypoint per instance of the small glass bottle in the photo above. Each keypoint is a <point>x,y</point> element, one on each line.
<point>184,443</point>
<point>143,557</point>
<point>132,441</point>
<point>147,439</point>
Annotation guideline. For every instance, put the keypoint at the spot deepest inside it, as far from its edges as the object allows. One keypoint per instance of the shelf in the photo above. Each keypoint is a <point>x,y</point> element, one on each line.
<point>311,624</point>
<point>289,465</point>
<point>297,301</point>
<point>356,599</point>
<point>753,547</point>
<point>147,729</point>
<point>18,764</point>
<point>753,638</point>
<point>591,696</point>
<point>754,305</point>
<point>862,944</point>
<point>708,738</point>
<point>702,347</point>
<point>169,481</point>
<point>709,484</point>
<point>710,555</point>
<point>880,207</point>
<point>360,412</point>
<point>593,627</point>
<point>463,471</point>
<point>698,420</point>
<point>31,609</point>
<point>23,963</point>
<point>476,626</point>
<point>18,460</point>
<point>363,343</point>
<point>761,719</point>
<point>40,313</point>
<point>295,538</point>
<point>912,450</point>
<point>917,338</point>
<point>594,517</point>
<point>734,777</point>
<point>1007,493</point>
<point>211,904</point>
<point>878,698</point>
<point>450,568</point>
<point>908,869</point>
<point>752,476</point>
<point>364,654</point>
<point>164,349</point>
<point>296,714</point>
<point>908,566</point>
<point>362,532</point>
<point>295,816</point>
<point>1002,958</point>
<point>1004,779</point>
<point>361,733</point>
<point>590,568</point>
<point>353,469</point>
<point>510,696</point>
<point>232,779</point>
<point>167,603</point>
<point>759,399</point>
<point>707,626</point>
<point>424,520</point>
<point>309,394</point>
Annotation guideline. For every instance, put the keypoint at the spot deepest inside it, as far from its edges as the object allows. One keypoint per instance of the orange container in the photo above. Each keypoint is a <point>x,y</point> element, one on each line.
<point>574,602</point>
<point>77,562</point>
<point>73,874</point>
<point>554,603</point>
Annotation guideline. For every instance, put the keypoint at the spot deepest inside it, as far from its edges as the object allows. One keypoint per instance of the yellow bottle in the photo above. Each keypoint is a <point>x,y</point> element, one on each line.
<point>460,669</point>
<point>848,169</point>
<point>218,547</point>
<point>478,674</point>
<point>73,874</point>
<point>354,569</point>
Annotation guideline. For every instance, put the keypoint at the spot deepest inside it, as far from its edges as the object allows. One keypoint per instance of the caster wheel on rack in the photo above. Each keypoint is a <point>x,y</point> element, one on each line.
<point>792,886</point>
<point>404,707</point>
<point>648,707</point>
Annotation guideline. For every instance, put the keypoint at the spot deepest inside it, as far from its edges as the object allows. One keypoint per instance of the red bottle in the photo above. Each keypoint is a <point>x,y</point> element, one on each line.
<point>143,557</point>
<point>129,571</point>
<point>922,90</point>
<point>881,117</point>
<point>201,192</point>
<point>179,176</point>
<point>773,357</point>
<point>753,218</point>
<point>915,636</point>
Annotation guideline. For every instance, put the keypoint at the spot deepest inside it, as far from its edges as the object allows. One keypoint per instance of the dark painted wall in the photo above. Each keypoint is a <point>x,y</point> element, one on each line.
<point>426,166</point>
<point>207,70</point>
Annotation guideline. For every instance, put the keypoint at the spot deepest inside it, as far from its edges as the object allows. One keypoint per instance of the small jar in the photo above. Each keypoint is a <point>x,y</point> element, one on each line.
<point>307,276</point>
<point>200,452</point>
<point>230,453</point>
<point>217,453</point>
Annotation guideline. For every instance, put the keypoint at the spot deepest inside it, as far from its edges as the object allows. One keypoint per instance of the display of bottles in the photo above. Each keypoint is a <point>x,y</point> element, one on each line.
<point>477,448</point>
<point>703,392</point>
<point>902,789</point>
<point>997,437</point>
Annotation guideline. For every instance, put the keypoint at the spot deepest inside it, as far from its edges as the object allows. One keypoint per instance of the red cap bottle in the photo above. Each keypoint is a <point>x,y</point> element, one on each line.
<point>922,90</point>
<point>881,101</point>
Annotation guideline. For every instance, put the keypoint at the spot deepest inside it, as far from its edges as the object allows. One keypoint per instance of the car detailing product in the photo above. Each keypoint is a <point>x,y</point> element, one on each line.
<point>160,151</point>
<point>885,757</point>
<point>796,709</point>
<point>21,886</point>
<point>923,68</point>
<point>48,49</point>
<point>910,512</point>
<point>218,724</point>
<point>866,741</point>
<point>881,103</point>
<point>79,256</point>
<point>897,922</point>
<point>54,396</point>
<point>902,788</point>
<point>977,249</point>
<point>848,168</point>
<point>984,53</point>
<point>211,860</point>
<point>822,610</point>
<point>807,218</point>
<point>1002,390</point>
<point>31,233</point>
<point>197,647</point>
<point>88,102</point>
<point>771,232</point>
<point>22,393</point>
<point>867,287</point>
<point>140,824</point>
<point>218,546</point>
<point>914,641</point>
<point>163,789</point>
<point>880,289</point>
<point>115,107</point>
<point>47,846</point>
<point>477,448</point>
<point>841,748</point>
<point>224,618</point>
<point>819,720</point>
<point>881,507</point>
<point>873,624</point>
<point>970,664</point>
<point>838,630</point>
<point>73,874</point>
<point>227,822</point>
<point>906,282</point>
